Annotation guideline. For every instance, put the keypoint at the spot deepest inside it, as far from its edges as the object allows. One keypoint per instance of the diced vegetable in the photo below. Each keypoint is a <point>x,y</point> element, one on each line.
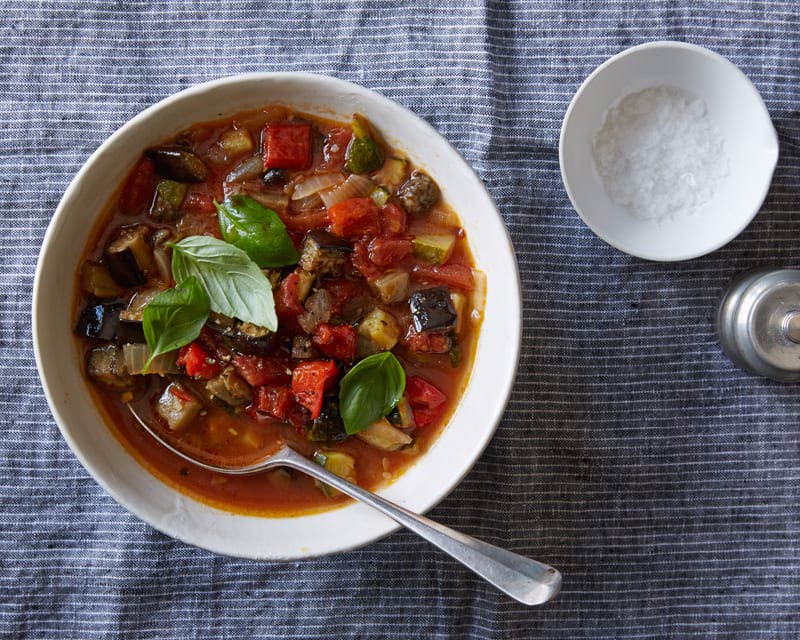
<point>99,321</point>
<point>315,184</point>
<point>363,154</point>
<point>355,186</point>
<point>392,220</point>
<point>162,254</point>
<point>434,248</point>
<point>427,401</point>
<point>384,436</point>
<point>302,349</point>
<point>341,464</point>
<point>459,276</point>
<point>288,304</point>
<point>97,281</point>
<point>337,342</point>
<point>304,282</point>
<point>287,145</point>
<point>106,366</point>
<point>177,407</point>
<point>274,177</point>
<point>427,342</point>
<point>135,310</point>
<point>318,309</point>
<point>229,387</point>
<point>402,415</point>
<point>391,287</point>
<point>328,426</point>
<point>168,200</point>
<point>432,310</point>
<point>247,169</point>
<point>178,164</point>
<point>310,380</point>
<point>236,142</point>
<point>323,253</point>
<point>198,362</point>
<point>129,331</point>
<point>459,301</point>
<point>273,400</point>
<point>392,173</point>
<point>418,194</point>
<point>129,256</point>
<point>301,223</point>
<point>380,328</point>
<point>277,201</point>
<point>242,337</point>
<point>353,218</point>
<point>259,371</point>
<point>385,252</point>
<point>380,196</point>
<point>136,356</point>
<point>335,147</point>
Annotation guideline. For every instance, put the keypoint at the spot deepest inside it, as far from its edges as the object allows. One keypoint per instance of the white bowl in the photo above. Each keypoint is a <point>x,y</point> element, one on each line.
<point>177,515</point>
<point>737,110</point>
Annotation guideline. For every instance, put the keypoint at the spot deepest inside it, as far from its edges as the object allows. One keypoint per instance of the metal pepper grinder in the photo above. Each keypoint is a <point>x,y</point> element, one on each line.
<point>758,322</point>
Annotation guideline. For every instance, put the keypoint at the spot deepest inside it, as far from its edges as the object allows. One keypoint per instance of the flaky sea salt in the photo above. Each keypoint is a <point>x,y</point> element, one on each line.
<point>659,154</point>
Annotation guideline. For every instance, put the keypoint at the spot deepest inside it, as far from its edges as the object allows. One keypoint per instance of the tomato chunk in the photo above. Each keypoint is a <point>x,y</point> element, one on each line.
<point>201,202</point>
<point>310,380</point>
<point>353,218</point>
<point>198,362</point>
<point>275,401</point>
<point>427,342</point>
<point>392,220</point>
<point>259,371</point>
<point>427,402</point>
<point>333,151</point>
<point>452,275</point>
<point>361,262</point>
<point>343,291</point>
<point>386,252</point>
<point>338,342</point>
<point>287,303</point>
<point>137,194</point>
<point>287,145</point>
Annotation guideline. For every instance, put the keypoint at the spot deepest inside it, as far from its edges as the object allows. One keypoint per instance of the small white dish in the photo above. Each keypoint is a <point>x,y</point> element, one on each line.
<point>176,514</point>
<point>735,107</point>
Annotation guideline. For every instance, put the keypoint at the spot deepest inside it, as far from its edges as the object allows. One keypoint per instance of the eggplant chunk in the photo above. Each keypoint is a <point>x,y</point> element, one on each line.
<point>97,281</point>
<point>432,310</point>
<point>391,287</point>
<point>229,387</point>
<point>242,337</point>
<point>178,164</point>
<point>384,436</point>
<point>177,407</point>
<point>100,321</point>
<point>106,366</point>
<point>324,253</point>
<point>328,427</point>
<point>418,194</point>
<point>380,330</point>
<point>302,349</point>
<point>129,256</point>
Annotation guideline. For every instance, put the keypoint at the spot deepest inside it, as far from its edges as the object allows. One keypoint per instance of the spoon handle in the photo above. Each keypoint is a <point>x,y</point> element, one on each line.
<point>525,580</point>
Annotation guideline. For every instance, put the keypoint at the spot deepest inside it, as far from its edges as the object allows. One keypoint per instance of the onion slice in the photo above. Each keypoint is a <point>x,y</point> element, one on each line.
<point>355,186</point>
<point>315,184</point>
<point>137,354</point>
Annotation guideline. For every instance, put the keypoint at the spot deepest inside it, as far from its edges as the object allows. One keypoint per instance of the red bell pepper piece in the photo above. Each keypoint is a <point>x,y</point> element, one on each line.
<point>392,220</point>
<point>275,401</point>
<point>452,275</point>
<point>310,380</point>
<point>386,252</point>
<point>427,401</point>
<point>353,218</point>
<point>287,145</point>
<point>287,303</point>
<point>339,342</point>
<point>198,362</point>
<point>259,371</point>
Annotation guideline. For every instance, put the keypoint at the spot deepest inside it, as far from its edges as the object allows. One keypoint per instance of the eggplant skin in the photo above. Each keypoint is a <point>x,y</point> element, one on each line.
<point>178,164</point>
<point>418,194</point>
<point>323,253</point>
<point>432,310</point>
<point>99,322</point>
<point>328,427</point>
<point>106,366</point>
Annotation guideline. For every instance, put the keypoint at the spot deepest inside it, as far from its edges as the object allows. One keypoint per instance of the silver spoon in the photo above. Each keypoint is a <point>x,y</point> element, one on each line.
<point>528,581</point>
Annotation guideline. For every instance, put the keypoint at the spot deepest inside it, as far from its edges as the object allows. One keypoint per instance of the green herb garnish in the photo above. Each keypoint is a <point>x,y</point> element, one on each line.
<point>370,390</point>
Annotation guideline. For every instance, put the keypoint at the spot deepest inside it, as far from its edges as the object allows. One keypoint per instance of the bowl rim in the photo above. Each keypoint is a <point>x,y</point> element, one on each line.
<point>502,391</point>
<point>700,50</point>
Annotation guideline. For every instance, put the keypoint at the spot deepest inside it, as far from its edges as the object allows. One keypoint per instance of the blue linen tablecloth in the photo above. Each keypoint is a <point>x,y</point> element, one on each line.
<point>660,479</point>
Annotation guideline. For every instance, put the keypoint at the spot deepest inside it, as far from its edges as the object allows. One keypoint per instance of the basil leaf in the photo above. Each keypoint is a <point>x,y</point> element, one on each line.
<point>370,390</point>
<point>174,318</point>
<point>256,230</point>
<point>236,287</point>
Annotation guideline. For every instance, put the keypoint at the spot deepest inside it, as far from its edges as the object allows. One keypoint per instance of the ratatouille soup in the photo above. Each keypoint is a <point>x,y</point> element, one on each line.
<point>272,279</point>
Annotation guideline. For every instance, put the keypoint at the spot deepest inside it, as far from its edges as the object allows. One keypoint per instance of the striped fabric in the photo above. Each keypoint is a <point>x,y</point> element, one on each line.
<point>662,481</point>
